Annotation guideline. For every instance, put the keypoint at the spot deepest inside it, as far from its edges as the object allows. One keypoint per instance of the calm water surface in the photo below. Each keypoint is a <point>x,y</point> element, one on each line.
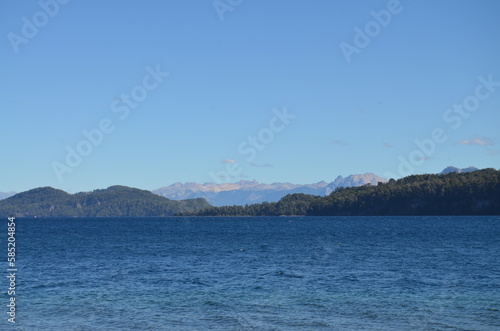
<point>269,273</point>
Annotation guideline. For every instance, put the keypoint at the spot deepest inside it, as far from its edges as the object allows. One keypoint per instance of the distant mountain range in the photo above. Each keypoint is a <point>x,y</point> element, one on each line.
<point>248,192</point>
<point>115,201</point>
<point>457,191</point>
<point>453,193</point>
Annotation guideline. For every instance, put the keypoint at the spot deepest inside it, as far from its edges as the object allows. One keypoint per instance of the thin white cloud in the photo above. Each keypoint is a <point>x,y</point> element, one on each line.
<point>477,141</point>
<point>228,161</point>
<point>493,152</point>
<point>387,145</point>
<point>339,142</point>
<point>264,165</point>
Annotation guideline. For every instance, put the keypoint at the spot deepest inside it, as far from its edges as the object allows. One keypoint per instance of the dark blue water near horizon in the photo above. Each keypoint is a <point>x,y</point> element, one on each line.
<point>267,273</point>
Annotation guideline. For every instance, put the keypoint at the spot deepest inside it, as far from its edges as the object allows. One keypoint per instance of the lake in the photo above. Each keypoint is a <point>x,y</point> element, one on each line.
<point>262,273</point>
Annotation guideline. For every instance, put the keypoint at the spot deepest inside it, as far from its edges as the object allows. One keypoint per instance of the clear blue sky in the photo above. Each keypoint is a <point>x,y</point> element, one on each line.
<point>226,77</point>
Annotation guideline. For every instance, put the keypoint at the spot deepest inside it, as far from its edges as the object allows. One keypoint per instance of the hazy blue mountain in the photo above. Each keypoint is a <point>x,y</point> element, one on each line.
<point>450,169</point>
<point>248,192</point>
<point>5,195</point>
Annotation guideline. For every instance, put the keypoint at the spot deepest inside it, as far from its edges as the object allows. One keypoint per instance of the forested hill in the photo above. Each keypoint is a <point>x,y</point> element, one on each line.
<point>111,202</point>
<point>472,193</point>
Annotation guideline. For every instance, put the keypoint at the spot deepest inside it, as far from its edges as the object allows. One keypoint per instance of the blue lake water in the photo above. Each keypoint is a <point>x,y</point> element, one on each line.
<point>267,273</point>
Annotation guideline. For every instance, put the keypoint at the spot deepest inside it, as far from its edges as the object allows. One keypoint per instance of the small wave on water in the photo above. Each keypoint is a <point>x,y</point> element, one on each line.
<point>281,273</point>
